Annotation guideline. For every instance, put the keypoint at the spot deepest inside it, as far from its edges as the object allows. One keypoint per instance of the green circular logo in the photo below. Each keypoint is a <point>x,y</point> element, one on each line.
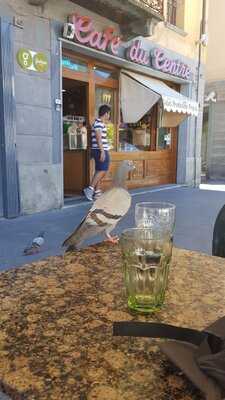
<point>40,62</point>
<point>24,58</point>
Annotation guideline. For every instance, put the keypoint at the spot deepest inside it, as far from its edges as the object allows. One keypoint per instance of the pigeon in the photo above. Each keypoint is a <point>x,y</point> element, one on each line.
<point>36,245</point>
<point>106,211</point>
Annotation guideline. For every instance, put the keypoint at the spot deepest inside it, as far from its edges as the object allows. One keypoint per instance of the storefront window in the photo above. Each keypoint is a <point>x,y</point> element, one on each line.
<point>106,96</point>
<point>105,73</point>
<point>74,65</point>
<point>135,137</point>
<point>164,139</point>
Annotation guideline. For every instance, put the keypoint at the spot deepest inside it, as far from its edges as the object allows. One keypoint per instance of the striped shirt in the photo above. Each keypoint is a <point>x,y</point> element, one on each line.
<point>98,125</point>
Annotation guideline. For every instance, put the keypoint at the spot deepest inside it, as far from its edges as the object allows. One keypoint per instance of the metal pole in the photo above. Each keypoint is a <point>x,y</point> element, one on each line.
<point>202,31</point>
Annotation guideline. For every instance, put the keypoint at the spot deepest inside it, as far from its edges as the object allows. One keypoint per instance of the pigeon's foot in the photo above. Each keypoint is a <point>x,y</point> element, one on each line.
<point>112,239</point>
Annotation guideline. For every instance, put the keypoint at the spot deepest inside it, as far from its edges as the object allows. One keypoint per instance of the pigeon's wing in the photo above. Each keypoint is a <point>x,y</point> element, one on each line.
<point>87,228</point>
<point>105,213</point>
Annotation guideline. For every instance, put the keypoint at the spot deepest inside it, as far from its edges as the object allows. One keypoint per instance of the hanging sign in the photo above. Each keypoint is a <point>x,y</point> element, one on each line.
<point>32,60</point>
<point>82,30</point>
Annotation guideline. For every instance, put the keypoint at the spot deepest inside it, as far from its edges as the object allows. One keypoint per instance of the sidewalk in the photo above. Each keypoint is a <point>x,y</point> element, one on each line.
<point>212,184</point>
<point>195,217</point>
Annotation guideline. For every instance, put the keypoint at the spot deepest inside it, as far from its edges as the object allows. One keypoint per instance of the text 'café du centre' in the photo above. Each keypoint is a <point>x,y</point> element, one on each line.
<point>81,29</point>
<point>77,66</point>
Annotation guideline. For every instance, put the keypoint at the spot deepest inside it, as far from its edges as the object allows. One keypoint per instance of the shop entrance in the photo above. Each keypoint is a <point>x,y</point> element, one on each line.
<point>75,116</point>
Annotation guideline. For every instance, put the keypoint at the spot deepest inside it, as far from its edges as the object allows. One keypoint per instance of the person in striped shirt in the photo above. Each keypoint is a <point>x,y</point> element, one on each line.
<point>99,151</point>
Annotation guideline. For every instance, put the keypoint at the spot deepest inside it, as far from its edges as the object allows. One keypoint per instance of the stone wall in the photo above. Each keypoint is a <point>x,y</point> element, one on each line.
<point>216,132</point>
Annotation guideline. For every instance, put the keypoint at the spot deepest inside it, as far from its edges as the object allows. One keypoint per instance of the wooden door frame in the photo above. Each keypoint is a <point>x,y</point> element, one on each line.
<point>93,81</point>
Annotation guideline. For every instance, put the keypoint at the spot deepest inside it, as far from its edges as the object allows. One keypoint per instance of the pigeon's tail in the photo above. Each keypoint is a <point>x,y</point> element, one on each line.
<point>71,243</point>
<point>31,250</point>
<point>71,248</point>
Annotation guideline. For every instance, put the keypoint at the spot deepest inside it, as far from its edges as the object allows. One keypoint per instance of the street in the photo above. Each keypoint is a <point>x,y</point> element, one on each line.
<point>196,211</point>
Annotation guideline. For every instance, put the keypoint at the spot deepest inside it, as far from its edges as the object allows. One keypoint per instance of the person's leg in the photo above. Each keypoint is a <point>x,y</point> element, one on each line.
<point>97,178</point>
<point>101,169</point>
<point>90,191</point>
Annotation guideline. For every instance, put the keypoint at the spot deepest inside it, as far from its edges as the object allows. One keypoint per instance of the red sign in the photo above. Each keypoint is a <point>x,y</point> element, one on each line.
<point>82,30</point>
<point>85,33</point>
<point>173,67</point>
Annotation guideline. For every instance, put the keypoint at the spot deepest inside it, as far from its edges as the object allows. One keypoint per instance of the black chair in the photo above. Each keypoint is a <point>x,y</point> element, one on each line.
<point>218,244</point>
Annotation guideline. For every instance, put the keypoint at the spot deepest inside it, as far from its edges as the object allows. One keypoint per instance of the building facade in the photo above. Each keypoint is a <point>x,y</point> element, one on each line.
<point>60,60</point>
<point>213,137</point>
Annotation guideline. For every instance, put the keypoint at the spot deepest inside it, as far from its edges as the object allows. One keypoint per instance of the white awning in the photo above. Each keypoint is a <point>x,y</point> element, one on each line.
<point>139,93</point>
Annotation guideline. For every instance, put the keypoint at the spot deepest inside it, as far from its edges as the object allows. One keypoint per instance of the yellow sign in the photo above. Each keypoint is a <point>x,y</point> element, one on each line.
<point>106,97</point>
<point>32,60</point>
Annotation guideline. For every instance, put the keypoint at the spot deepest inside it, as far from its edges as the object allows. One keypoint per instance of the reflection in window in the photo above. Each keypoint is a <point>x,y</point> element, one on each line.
<point>106,96</point>
<point>164,139</point>
<point>74,65</point>
<point>135,137</point>
<point>105,73</point>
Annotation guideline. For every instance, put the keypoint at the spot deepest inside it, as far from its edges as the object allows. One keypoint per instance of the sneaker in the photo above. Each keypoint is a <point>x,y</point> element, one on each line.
<point>97,194</point>
<point>89,192</point>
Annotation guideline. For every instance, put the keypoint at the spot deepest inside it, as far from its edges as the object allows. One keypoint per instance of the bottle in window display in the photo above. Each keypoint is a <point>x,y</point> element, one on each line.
<point>72,132</point>
<point>81,135</point>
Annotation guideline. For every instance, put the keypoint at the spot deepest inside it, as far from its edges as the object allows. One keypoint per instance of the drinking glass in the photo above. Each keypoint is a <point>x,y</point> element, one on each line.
<point>146,257</point>
<point>155,216</point>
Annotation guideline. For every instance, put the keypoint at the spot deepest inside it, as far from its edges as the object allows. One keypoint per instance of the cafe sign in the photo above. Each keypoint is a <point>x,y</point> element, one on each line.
<point>32,60</point>
<point>157,60</point>
<point>81,29</point>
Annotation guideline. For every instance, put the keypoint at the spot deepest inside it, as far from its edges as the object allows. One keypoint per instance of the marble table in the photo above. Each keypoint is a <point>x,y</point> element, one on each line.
<point>56,320</point>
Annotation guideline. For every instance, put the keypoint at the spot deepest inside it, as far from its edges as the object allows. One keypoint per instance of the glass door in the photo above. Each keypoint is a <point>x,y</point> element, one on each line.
<point>105,95</point>
<point>106,92</point>
<point>75,87</point>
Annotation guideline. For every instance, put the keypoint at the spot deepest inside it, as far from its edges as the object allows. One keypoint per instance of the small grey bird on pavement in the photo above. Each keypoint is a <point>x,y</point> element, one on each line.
<point>37,243</point>
<point>106,211</point>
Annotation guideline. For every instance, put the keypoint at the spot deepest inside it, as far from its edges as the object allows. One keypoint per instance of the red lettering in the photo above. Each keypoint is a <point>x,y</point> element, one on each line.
<point>188,73</point>
<point>136,54</point>
<point>166,65</point>
<point>158,58</point>
<point>179,68</point>
<point>83,29</point>
<point>133,51</point>
<point>86,34</point>
<point>176,70</point>
<point>173,67</point>
<point>95,39</point>
<point>183,71</point>
<point>108,41</point>
<point>107,37</point>
<point>115,44</point>
<point>141,56</point>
